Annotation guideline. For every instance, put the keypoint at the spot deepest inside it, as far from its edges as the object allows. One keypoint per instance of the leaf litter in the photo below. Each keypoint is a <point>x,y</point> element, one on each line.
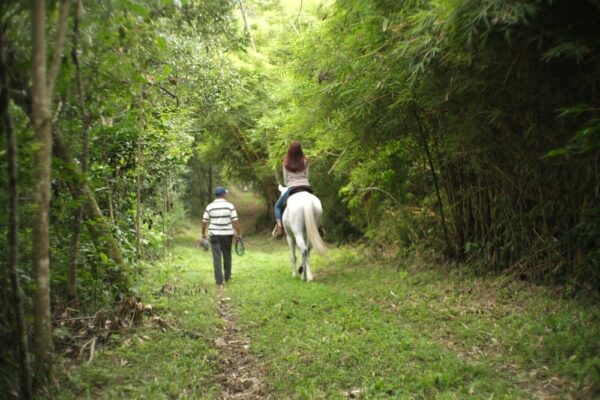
<point>77,336</point>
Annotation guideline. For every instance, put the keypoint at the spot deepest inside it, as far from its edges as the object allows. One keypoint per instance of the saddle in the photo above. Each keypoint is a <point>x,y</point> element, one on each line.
<point>293,191</point>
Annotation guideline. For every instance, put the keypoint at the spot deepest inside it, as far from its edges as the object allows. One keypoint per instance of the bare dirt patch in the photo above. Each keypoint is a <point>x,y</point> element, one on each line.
<point>240,376</point>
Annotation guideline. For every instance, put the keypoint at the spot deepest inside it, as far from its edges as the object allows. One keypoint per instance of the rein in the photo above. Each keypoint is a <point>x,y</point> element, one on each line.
<point>240,248</point>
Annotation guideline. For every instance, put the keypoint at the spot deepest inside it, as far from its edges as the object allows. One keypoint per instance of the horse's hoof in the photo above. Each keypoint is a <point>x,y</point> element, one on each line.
<point>300,269</point>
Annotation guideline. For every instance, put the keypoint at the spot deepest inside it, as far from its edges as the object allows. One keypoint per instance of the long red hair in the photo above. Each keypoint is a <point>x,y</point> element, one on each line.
<point>294,160</point>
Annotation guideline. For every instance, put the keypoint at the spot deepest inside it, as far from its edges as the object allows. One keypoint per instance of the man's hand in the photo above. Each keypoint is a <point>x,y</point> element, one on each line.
<point>237,229</point>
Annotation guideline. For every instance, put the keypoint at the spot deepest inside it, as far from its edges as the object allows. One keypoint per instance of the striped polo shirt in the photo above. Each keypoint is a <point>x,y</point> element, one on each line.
<point>220,213</point>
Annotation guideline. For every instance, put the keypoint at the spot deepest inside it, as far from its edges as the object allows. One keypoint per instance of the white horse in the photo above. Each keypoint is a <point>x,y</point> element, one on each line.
<point>301,220</point>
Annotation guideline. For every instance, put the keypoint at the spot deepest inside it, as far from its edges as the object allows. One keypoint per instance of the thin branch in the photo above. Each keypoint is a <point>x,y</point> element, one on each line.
<point>295,29</point>
<point>336,161</point>
<point>74,319</point>
<point>375,188</point>
<point>298,16</point>
<point>85,117</point>
<point>167,91</point>
<point>59,44</point>
<point>92,348</point>
<point>433,174</point>
<point>377,49</point>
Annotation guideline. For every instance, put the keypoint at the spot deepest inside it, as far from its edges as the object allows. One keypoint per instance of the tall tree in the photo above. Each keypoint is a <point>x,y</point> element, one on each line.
<point>41,104</point>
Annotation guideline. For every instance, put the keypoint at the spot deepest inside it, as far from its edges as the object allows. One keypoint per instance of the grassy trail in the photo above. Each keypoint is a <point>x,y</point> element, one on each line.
<point>362,329</point>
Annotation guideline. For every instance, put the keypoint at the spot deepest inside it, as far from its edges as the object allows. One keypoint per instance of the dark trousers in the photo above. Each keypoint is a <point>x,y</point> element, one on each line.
<point>221,244</point>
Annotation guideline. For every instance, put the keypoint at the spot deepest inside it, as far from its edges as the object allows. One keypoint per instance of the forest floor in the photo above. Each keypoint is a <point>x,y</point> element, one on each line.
<point>361,329</point>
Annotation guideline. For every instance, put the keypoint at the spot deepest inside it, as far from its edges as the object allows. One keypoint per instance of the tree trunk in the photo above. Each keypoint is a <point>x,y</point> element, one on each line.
<point>209,191</point>
<point>77,218</point>
<point>41,106</point>
<point>138,200</point>
<point>41,194</point>
<point>16,292</point>
<point>111,212</point>
<point>246,25</point>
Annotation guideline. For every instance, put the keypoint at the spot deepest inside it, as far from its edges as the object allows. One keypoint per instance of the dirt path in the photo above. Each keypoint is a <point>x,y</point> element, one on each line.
<point>240,375</point>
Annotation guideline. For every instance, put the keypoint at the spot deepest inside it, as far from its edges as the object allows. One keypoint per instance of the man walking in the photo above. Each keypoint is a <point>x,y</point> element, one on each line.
<point>220,217</point>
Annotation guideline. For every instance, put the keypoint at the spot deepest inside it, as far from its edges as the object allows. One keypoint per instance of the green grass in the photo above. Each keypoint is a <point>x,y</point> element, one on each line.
<point>412,333</point>
<point>405,335</point>
<point>150,363</point>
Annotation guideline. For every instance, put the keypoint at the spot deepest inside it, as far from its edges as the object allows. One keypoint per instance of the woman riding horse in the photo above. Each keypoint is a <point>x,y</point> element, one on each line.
<point>295,174</point>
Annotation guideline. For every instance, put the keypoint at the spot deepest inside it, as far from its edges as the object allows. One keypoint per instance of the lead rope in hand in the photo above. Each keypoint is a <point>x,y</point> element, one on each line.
<point>239,246</point>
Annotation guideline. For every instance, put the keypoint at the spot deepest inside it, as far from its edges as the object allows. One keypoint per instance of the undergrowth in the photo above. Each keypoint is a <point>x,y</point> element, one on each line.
<point>155,362</point>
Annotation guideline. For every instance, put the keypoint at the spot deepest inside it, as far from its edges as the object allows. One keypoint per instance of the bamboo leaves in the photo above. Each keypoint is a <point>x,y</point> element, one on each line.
<point>485,79</point>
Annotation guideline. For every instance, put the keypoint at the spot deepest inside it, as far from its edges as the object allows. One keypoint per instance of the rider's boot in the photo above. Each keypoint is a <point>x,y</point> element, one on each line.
<point>278,232</point>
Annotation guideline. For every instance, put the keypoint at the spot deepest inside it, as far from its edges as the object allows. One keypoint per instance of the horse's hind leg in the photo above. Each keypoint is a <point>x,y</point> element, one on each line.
<point>307,275</point>
<point>292,246</point>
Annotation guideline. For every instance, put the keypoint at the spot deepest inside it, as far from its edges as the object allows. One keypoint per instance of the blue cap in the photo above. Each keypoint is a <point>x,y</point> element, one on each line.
<point>220,191</point>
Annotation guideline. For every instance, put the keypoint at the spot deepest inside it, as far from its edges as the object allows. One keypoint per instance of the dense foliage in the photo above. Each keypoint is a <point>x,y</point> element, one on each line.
<point>495,102</point>
<point>466,127</point>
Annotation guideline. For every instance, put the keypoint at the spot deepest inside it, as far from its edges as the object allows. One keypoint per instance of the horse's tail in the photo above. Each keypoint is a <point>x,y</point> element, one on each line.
<point>311,209</point>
